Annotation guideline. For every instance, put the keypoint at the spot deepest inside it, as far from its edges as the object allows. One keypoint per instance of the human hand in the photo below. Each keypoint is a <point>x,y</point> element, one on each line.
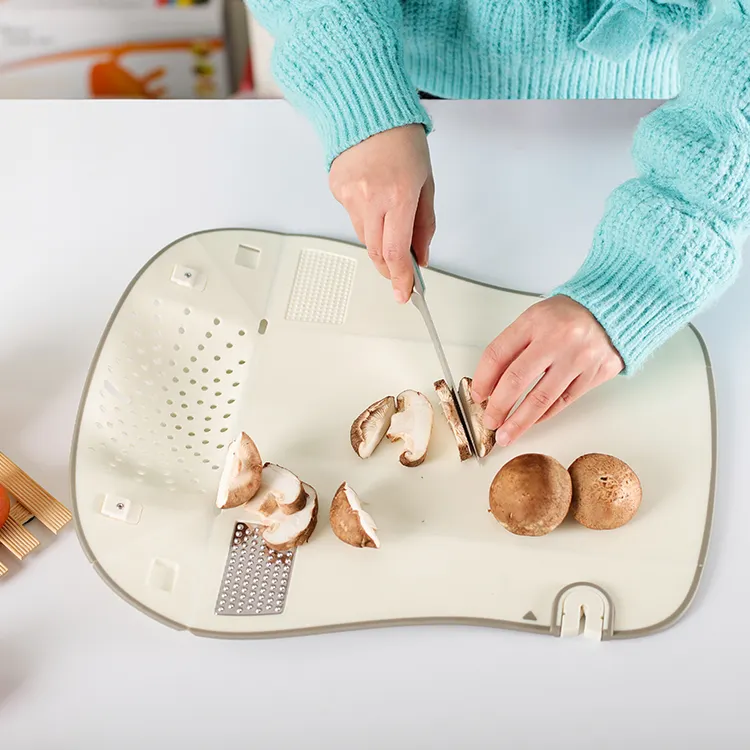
<point>556,338</point>
<point>385,184</point>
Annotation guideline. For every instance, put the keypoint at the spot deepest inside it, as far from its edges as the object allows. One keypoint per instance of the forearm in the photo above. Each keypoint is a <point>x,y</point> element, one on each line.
<point>669,242</point>
<point>340,62</point>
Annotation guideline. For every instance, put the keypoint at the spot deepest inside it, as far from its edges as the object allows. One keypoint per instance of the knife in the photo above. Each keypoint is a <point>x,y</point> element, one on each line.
<point>419,301</point>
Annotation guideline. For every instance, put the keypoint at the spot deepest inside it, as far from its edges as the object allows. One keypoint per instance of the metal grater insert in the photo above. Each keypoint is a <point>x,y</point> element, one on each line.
<point>256,578</point>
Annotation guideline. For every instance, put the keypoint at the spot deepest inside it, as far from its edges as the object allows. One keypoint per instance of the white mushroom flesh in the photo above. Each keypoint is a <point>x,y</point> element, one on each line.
<point>370,427</point>
<point>412,424</point>
<point>238,483</point>
<point>285,529</point>
<point>365,519</point>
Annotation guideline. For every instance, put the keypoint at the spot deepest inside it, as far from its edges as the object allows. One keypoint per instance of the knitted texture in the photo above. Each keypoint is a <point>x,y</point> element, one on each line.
<point>669,240</point>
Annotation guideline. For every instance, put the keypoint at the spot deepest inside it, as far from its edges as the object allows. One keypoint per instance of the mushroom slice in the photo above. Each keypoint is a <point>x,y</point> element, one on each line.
<point>287,531</point>
<point>350,523</point>
<point>484,439</point>
<point>412,423</point>
<point>281,487</point>
<point>450,410</point>
<point>241,477</point>
<point>369,428</point>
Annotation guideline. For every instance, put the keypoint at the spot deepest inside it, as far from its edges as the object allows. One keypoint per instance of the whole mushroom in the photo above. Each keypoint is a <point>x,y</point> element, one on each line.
<point>531,494</point>
<point>606,491</point>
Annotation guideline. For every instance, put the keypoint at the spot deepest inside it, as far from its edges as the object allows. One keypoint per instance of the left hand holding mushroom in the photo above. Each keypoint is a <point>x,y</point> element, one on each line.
<point>556,338</point>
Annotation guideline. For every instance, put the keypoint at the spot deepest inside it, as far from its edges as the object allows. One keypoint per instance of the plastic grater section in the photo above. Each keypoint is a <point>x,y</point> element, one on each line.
<point>322,287</point>
<point>256,578</point>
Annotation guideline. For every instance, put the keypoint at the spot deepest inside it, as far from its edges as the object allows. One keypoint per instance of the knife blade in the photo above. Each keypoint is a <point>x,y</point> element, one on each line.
<point>419,301</point>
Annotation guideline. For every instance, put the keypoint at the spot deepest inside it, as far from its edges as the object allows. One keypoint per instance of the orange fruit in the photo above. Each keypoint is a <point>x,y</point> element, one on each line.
<point>4,505</point>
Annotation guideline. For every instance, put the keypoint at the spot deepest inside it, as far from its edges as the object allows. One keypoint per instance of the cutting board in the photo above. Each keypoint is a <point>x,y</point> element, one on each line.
<point>289,338</point>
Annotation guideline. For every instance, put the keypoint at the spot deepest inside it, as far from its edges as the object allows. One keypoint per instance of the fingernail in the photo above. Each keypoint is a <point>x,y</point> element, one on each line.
<point>476,398</point>
<point>490,423</point>
<point>502,438</point>
<point>400,296</point>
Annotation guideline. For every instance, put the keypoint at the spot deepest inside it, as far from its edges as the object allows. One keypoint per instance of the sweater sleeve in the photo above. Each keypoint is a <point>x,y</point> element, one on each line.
<point>340,62</point>
<point>669,242</point>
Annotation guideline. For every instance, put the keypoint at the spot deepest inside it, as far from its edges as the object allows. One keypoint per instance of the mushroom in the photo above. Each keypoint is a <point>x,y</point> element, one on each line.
<point>241,476</point>
<point>484,439</point>
<point>284,531</point>
<point>531,494</point>
<point>369,428</point>
<point>412,423</point>
<point>450,410</point>
<point>606,491</point>
<point>350,523</point>
<point>278,487</point>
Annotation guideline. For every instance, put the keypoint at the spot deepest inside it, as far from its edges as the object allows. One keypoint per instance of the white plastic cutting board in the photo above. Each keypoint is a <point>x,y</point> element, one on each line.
<point>289,339</point>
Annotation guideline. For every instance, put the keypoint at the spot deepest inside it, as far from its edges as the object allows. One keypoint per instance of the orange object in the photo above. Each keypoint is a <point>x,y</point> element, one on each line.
<point>110,79</point>
<point>4,505</point>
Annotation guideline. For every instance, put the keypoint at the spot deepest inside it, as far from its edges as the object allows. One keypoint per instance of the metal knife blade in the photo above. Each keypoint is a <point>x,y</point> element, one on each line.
<point>419,301</point>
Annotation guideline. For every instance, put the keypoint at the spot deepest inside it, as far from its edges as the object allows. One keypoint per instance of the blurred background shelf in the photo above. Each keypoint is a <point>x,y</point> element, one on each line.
<point>143,49</point>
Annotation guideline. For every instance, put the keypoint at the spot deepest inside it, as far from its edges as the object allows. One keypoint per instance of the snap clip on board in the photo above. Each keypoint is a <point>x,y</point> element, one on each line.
<point>289,338</point>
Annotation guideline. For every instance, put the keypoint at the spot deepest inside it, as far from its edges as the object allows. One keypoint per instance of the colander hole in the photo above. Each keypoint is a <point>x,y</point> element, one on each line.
<point>226,416</point>
<point>180,460</point>
<point>214,467</point>
<point>176,347</point>
<point>241,333</point>
<point>229,372</point>
<point>193,382</point>
<point>218,393</point>
<point>220,446</point>
<point>204,369</point>
<point>178,427</point>
<point>207,419</point>
<point>209,334</point>
<point>191,434</point>
<point>229,345</point>
<point>195,480</point>
<point>204,387</point>
<point>217,358</point>
<point>190,418</point>
<point>234,385</point>
<point>174,447</point>
<point>262,326</point>
<point>172,363</point>
<point>170,402</point>
<point>164,388</point>
<point>173,415</point>
<point>216,321</point>
<point>175,380</point>
<point>100,425</point>
<point>186,370</point>
<point>206,429</point>
<point>182,393</point>
<point>217,380</point>
<point>223,429</point>
<point>189,447</point>
<point>196,454</point>
<point>213,406</point>
<point>231,401</point>
<point>193,359</point>
<point>241,362</point>
<point>170,437</point>
<point>201,347</point>
<point>180,330</point>
<point>204,442</point>
<point>156,303</point>
<point>205,461</point>
<point>186,311</point>
<point>200,402</point>
<point>184,406</point>
<point>110,425</point>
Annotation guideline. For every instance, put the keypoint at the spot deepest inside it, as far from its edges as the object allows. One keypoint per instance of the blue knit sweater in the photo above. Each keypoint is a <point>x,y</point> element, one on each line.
<point>669,241</point>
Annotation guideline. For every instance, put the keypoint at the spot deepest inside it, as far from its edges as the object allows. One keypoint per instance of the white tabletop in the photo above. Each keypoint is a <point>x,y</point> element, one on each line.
<point>88,193</point>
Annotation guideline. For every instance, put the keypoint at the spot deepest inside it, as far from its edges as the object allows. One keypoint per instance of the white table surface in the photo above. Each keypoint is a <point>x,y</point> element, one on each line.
<point>88,193</point>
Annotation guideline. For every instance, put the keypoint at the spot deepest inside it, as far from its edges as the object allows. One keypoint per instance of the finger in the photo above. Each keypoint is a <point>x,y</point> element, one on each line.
<point>424,223</point>
<point>359,228</point>
<point>495,360</point>
<point>373,224</point>
<point>581,385</point>
<point>519,375</point>
<point>397,234</point>
<point>536,403</point>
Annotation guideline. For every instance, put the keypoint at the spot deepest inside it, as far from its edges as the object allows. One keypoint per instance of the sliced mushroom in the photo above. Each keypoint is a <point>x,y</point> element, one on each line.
<point>241,477</point>
<point>286,531</point>
<point>412,423</point>
<point>484,439</point>
<point>369,428</point>
<point>350,523</point>
<point>278,485</point>
<point>450,410</point>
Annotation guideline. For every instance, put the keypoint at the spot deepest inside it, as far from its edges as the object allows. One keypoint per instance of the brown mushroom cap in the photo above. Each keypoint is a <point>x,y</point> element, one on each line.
<point>369,428</point>
<point>452,416</point>
<point>241,477</point>
<point>484,439</point>
<point>350,523</point>
<point>606,491</point>
<point>531,494</point>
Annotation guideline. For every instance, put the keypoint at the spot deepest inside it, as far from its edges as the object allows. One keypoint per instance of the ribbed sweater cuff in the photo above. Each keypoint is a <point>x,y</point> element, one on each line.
<point>345,71</point>
<point>650,269</point>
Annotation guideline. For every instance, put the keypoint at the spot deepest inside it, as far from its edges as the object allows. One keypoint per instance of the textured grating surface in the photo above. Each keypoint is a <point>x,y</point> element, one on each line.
<point>20,514</point>
<point>166,409</point>
<point>322,287</point>
<point>256,579</point>
<point>17,539</point>
<point>3,570</point>
<point>39,502</point>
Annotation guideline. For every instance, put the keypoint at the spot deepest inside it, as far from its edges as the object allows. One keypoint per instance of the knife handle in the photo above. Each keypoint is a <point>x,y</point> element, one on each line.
<point>419,285</point>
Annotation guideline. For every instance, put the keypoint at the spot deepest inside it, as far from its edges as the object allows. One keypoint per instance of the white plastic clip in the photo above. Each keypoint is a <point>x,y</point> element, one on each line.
<point>191,278</point>
<point>583,609</point>
<point>121,509</point>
